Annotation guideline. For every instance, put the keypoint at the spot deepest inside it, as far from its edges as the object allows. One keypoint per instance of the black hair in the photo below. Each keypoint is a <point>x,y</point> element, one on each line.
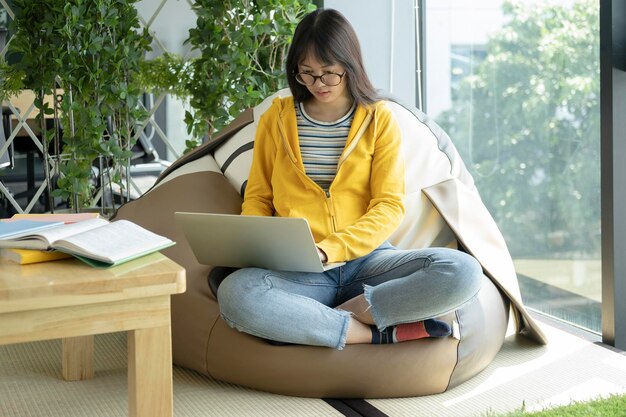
<point>329,36</point>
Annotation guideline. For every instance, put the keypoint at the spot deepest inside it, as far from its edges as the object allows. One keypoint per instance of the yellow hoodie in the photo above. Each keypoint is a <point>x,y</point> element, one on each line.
<point>364,204</point>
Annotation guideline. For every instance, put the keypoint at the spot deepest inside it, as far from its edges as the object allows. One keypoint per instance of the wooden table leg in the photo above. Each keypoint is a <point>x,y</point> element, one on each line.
<point>78,358</point>
<point>150,391</point>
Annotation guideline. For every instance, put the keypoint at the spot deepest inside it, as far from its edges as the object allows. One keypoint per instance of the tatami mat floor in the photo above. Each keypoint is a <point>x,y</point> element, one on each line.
<point>569,368</point>
<point>526,375</point>
<point>31,385</point>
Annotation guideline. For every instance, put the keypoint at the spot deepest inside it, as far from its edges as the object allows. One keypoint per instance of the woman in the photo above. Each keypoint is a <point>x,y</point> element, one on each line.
<point>332,154</point>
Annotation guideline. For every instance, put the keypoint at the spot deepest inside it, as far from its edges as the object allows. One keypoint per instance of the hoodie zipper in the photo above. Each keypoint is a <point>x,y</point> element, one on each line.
<point>331,210</point>
<point>348,151</point>
<point>346,154</point>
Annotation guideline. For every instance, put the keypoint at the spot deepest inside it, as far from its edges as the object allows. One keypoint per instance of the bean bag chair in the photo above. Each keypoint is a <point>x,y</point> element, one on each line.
<point>443,208</point>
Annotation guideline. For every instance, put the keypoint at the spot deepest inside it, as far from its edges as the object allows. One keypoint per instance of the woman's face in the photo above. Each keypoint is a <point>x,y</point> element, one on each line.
<point>321,92</point>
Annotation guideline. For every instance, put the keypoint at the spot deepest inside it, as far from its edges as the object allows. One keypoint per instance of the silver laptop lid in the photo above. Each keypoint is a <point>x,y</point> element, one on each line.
<point>276,243</point>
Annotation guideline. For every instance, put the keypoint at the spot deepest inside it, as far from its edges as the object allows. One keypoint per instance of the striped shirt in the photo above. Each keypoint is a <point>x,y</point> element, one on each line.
<point>321,144</point>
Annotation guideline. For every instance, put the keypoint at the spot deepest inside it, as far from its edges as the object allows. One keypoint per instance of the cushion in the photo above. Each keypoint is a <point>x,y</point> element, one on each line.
<point>211,178</point>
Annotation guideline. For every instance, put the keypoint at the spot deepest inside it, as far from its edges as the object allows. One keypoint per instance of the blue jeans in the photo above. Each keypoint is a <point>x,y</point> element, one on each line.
<point>401,286</point>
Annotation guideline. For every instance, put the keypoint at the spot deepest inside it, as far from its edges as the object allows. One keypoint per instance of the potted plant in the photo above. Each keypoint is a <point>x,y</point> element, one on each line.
<point>242,47</point>
<point>86,53</point>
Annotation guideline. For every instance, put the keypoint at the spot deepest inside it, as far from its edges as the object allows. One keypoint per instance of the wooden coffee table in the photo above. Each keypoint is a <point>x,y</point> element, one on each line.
<point>72,301</point>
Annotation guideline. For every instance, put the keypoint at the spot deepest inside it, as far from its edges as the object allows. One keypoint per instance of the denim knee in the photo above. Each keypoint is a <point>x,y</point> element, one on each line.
<point>251,303</point>
<point>471,270</point>
<point>236,294</point>
<point>448,280</point>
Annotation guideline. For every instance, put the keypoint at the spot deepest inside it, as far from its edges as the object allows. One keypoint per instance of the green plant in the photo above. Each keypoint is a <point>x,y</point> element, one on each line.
<point>612,406</point>
<point>172,74</point>
<point>243,45</point>
<point>91,50</point>
<point>169,73</point>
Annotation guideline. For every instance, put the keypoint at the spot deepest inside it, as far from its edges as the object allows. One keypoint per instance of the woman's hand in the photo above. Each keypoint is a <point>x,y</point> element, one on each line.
<point>322,255</point>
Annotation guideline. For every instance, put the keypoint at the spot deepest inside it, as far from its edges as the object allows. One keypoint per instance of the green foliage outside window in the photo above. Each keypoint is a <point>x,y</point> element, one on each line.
<point>527,124</point>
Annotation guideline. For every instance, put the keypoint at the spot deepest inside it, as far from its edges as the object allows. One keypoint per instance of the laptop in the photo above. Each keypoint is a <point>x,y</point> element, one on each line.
<point>276,243</point>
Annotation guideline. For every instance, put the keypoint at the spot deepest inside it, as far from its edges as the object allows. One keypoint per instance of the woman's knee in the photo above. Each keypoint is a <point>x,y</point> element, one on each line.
<point>470,270</point>
<point>460,267</point>
<point>239,289</point>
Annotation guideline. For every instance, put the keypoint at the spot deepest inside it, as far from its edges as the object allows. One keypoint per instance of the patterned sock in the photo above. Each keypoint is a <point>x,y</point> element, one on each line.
<point>410,331</point>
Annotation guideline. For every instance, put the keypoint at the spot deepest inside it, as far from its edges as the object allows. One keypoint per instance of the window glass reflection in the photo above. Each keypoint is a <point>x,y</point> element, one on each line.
<point>516,85</point>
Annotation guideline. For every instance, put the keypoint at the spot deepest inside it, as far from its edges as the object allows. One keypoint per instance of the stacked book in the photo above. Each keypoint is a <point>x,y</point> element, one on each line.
<point>31,238</point>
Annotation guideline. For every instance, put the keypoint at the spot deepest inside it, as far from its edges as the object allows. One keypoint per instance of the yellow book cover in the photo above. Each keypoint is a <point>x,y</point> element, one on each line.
<point>28,256</point>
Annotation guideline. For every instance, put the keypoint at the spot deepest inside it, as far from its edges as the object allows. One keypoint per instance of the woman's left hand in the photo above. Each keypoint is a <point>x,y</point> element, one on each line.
<point>322,255</point>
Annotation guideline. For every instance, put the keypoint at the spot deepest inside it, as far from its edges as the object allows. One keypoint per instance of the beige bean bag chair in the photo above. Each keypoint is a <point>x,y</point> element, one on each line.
<point>443,209</point>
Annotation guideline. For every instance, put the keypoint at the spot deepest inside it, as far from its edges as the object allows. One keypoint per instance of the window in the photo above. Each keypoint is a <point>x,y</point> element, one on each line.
<point>517,87</point>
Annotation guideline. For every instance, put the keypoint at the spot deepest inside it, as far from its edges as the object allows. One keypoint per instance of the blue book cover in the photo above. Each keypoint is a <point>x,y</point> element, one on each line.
<point>19,228</point>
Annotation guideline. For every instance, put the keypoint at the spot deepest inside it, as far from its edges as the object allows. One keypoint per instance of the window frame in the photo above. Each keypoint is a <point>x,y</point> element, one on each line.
<point>613,170</point>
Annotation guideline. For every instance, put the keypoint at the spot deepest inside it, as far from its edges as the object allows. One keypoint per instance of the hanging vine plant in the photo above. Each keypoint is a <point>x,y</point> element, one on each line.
<point>242,48</point>
<point>90,50</point>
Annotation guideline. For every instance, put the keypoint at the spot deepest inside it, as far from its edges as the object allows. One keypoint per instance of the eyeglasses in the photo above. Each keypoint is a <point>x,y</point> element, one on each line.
<point>329,79</point>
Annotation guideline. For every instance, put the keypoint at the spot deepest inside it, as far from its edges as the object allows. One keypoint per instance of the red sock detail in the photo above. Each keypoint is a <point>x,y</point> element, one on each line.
<point>410,331</point>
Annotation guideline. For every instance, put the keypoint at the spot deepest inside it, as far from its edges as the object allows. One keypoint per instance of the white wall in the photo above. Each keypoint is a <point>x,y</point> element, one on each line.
<point>386,30</point>
<point>170,25</point>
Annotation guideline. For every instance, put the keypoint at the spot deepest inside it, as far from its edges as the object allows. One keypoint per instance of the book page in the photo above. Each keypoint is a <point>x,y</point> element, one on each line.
<point>49,236</point>
<point>114,242</point>
<point>43,239</point>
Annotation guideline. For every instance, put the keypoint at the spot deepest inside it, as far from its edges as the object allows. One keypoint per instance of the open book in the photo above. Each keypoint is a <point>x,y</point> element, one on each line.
<point>17,229</point>
<point>97,242</point>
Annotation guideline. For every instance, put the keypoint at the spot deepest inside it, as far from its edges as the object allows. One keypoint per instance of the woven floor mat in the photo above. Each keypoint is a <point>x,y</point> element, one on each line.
<point>31,385</point>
